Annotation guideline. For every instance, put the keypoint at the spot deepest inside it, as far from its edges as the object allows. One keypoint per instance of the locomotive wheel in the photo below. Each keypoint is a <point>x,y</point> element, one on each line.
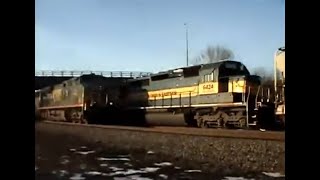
<point>201,123</point>
<point>222,123</point>
<point>76,121</point>
<point>84,121</point>
<point>242,123</point>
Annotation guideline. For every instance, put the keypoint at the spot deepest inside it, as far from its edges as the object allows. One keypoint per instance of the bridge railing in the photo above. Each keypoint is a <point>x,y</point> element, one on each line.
<point>132,74</point>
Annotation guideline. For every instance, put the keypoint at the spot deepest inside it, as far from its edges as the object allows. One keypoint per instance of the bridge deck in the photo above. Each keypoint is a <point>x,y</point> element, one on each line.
<point>132,74</point>
<point>47,78</point>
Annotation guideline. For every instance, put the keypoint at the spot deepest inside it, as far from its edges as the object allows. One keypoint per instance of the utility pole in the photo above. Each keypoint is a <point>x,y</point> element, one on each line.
<point>187,45</point>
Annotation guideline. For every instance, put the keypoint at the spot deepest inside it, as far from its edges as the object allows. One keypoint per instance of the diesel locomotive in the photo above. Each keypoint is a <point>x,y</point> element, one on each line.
<point>221,94</point>
<point>85,99</point>
<point>279,84</point>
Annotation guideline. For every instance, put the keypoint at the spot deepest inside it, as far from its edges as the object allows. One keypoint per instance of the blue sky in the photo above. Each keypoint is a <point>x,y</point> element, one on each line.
<point>149,35</point>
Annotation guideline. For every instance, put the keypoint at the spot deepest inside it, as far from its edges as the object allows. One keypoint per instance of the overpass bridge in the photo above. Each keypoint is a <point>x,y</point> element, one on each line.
<point>47,77</point>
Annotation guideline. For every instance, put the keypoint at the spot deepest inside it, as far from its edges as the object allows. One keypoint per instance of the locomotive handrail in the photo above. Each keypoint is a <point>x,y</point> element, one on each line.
<point>256,99</point>
<point>247,106</point>
<point>133,74</point>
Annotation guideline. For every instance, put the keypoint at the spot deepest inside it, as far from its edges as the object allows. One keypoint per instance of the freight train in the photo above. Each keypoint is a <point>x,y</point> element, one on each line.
<point>279,84</point>
<point>222,94</point>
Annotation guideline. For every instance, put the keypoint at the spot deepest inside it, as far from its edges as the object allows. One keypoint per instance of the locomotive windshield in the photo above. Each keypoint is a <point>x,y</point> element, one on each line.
<point>232,69</point>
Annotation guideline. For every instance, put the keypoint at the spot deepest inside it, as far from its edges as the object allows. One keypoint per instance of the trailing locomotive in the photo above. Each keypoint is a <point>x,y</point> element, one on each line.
<point>221,94</point>
<point>84,99</point>
<point>279,84</point>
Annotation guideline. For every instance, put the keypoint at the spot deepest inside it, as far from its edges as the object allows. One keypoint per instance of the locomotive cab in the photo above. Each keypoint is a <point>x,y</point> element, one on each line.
<point>235,78</point>
<point>230,93</point>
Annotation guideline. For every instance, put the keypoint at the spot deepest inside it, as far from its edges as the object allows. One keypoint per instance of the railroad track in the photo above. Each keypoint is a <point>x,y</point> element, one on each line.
<point>225,133</point>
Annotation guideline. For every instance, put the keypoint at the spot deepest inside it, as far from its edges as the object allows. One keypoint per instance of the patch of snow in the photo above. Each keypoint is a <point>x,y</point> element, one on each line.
<point>115,169</point>
<point>137,177</point>
<point>133,171</point>
<point>150,152</point>
<point>132,177</point>
<point>113,159</point>
<point>163,176</point>
<point>85,152</point>
<point>128,172</point>
<point>63,173</point>
<point>192,171</point>
<point>271,174</point>
<point>104,165</point>
<point>128,164</point>
<point>235,178</point>
<point>150,169</point>
<point>123,155</point>
<point>163,164</point>
<point>121,178</point>
<point>72,150</point>
<point>93,173</point>
<point>77,177</point>
<point>64,157</point>
<point>64,161</point>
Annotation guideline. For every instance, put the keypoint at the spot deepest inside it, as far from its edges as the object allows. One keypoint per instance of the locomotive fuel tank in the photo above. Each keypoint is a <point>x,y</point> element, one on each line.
<point>165,118</point>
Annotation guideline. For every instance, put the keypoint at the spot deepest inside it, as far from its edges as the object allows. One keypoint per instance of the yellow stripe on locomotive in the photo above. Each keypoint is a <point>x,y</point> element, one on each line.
<point>235,86</point>
<point>173,93</point>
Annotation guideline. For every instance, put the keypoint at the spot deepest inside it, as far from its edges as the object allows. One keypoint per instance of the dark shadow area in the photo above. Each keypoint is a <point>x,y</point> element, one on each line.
<point>41,82</point>
<point>133,98</point>
<point>266,117</point>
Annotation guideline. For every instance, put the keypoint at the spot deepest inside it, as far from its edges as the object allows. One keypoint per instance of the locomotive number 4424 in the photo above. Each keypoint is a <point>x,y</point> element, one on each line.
<point>208,86</point>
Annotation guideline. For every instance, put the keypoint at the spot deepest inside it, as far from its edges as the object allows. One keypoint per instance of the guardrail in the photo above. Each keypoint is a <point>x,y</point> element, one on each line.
<point>133,74</point>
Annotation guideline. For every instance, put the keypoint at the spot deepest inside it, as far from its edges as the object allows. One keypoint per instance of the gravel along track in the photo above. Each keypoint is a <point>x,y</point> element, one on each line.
<point>226,133</point>
<point>72,158</point>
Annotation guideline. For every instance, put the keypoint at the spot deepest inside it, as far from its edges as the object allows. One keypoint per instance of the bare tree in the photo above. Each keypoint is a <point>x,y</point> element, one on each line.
<point>266,77</point>
<point>259,71</point>
<point>213,54</point>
